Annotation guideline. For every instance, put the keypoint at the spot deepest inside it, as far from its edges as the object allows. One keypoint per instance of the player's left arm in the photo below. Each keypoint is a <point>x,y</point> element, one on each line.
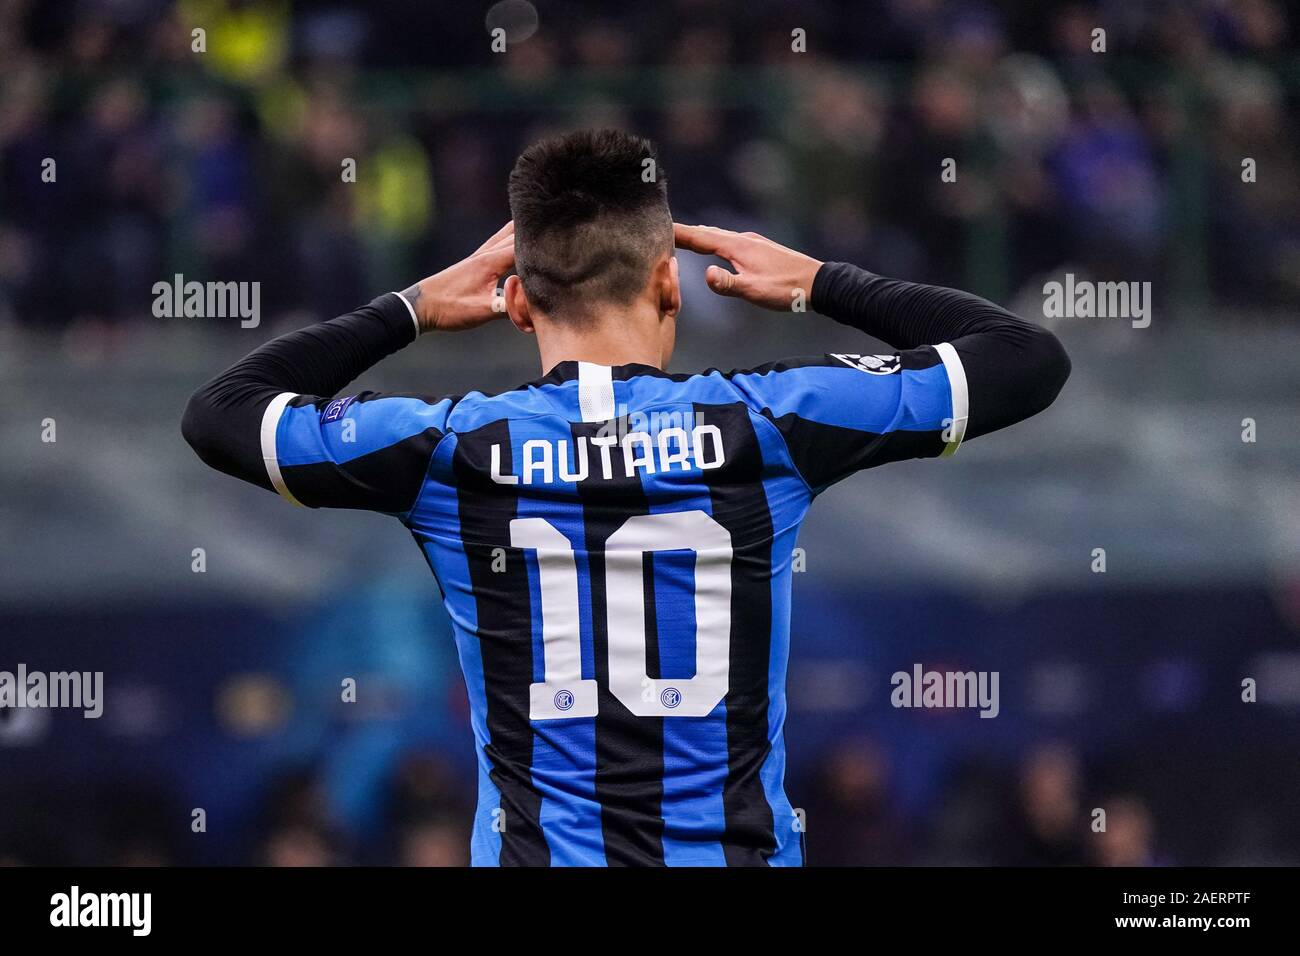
<point>1007,369</point>
<point>1010,369</point>
<point>269,419</point>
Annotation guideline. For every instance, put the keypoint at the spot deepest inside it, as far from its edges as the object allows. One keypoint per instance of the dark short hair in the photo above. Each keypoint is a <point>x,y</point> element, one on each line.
<point>591,217</point>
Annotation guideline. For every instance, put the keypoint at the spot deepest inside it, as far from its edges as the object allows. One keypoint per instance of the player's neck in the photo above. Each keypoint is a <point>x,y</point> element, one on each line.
<point>629,337</point>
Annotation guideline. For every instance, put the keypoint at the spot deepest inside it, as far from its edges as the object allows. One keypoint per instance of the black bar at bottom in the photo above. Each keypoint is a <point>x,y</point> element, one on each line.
<point>333,905</point>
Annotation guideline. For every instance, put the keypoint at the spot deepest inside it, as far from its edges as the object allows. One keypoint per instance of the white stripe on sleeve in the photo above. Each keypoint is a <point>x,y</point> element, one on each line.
<point>270,423</point>
<point>410,308</point>
<point>960,395</point>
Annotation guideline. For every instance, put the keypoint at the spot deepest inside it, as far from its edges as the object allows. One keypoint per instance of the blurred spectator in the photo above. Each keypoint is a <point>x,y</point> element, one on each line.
<point>1049,821</point>
<point>298,825</point>
<point>1105,170</point>
<point>298,845</point>
<point>1129,837</point>
<point>431,812</point>
<point>435,842</point>
<point>849,815</point>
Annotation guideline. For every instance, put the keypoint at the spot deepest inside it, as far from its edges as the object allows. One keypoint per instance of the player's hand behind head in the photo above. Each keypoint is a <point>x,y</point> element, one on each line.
<point>465,295</point>
<point>765,273</point>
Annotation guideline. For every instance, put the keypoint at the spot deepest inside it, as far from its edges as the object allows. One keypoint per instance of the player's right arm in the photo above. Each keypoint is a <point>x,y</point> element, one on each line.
<point>964,366</point>
<point>269,418</point>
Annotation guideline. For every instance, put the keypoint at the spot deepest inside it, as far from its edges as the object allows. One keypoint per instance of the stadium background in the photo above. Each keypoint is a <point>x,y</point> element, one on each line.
<point>1119,689</point>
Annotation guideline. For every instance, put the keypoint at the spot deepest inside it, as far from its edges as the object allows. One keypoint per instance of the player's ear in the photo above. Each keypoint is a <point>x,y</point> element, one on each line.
<point>517,305</point>
<point>669,287</point>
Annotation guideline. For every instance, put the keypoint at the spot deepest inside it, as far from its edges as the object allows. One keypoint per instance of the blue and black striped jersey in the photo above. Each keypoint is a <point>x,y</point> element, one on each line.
<point>613,546</point>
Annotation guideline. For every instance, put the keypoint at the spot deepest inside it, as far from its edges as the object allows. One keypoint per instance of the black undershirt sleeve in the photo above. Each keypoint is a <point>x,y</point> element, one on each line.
<point>1014,369</point>
<point>223,419</point>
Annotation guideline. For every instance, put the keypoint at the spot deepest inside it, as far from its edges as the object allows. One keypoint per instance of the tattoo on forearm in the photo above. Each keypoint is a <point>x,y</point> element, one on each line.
<point>412,295</point>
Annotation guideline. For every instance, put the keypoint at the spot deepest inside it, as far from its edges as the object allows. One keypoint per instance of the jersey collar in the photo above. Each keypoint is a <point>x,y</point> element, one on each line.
<point>567,371</point>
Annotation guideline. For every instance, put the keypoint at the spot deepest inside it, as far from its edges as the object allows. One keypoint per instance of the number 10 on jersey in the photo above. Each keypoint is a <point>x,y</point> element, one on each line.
<point>563,692</point>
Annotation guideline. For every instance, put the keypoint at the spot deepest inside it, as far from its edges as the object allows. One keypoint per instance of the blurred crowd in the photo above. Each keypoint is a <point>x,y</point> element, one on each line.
<point>227,162</point>
<point>1044,812</point>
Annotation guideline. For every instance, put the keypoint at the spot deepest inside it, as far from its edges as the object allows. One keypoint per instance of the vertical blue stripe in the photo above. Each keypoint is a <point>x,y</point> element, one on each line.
<point>788,840</point>
<point>446,555</point>
<point>788,500</point>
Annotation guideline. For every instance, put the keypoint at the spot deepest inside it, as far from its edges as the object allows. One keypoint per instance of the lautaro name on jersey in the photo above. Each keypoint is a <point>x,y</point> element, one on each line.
<point>624,448</point>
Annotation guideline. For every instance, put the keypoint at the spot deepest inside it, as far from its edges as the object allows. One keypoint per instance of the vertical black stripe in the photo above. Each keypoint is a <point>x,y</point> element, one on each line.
<point>505,637</point>
<point>740,506</point>
<point>653,667</point>
<point>629,749</point>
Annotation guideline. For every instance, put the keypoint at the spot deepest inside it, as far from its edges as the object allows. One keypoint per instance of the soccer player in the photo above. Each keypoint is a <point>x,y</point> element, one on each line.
<point>613,541</point>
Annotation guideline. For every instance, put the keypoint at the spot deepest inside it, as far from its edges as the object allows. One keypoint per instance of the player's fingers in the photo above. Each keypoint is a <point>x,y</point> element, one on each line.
<point>500,258</point>
<point>702,239</point>
<point>723,282</point>
<point>507,230</point>
<point>691,238</point>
